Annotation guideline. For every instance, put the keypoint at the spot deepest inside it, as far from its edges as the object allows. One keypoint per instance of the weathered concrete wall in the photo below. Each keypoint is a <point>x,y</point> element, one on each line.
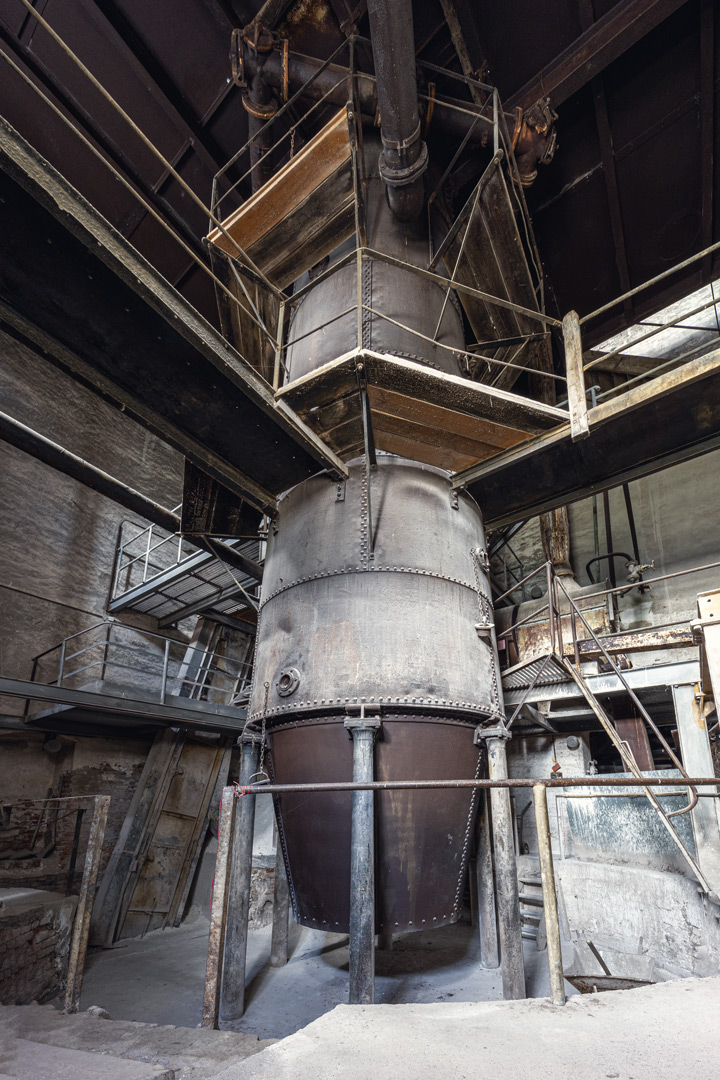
<point>57,537</point>
<point>677,517</point>
<point>57,549</point>
<point>35,929</point>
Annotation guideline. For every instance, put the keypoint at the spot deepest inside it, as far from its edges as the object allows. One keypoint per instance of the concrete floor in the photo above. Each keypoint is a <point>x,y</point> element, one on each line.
<point>159,978</point>
<point>662,1032</point>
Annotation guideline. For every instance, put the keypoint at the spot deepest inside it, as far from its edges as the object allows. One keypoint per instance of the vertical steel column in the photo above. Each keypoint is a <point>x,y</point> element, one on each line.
<point>362,866</point>
<point>281,912</point>
<point>552,923</point>
<point>232,1000</point>
<point>508,903</point>
<point>489,952</point>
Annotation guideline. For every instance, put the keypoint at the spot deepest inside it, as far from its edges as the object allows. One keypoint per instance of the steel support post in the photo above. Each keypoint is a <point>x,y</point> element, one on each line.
<point>232,999</point>
<point>506,881</point>
<point>690,712</point>
<point>362,866</point>
<point>487,918</point>
<point>281,912</point>
<point>552,923</point>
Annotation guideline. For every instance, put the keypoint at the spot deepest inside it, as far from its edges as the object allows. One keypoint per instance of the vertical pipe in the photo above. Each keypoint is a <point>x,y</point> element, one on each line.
<point>362,867</point>
<point>508,902</point>
<point>232,1003</point>
<point>218,912</point>
<point>489,952</point>
<point>281,912</point>
<point>552,923</point>
<point>609,537</point>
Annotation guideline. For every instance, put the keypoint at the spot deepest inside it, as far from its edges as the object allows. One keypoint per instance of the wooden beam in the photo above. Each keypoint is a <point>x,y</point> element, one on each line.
<point>611,36</point>
<point>575,374</point>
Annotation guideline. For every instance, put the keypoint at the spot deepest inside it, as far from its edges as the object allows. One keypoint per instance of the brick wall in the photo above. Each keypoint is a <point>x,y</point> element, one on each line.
<point>35,930</point>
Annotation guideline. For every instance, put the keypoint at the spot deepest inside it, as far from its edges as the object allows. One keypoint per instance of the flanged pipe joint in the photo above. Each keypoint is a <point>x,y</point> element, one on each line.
<point>404,157</point>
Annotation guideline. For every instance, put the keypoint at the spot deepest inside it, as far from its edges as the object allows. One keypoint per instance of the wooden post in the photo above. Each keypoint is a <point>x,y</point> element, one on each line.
<point>81,926</point>
<point>218,911</point>
<point>281,912</point>
<point>575,374</point>
<point>236,935</point>
<point>487,919</point>
<point>550,908</point>
<point>506,881</point>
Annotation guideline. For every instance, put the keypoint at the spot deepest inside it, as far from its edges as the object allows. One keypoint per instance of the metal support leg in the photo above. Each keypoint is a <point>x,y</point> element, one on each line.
<point>552,923</point>
<point>489,952</point>
<point>232,1003</point>
<point>362,867</point>
<point>281,911</point>
<point>508,903</point>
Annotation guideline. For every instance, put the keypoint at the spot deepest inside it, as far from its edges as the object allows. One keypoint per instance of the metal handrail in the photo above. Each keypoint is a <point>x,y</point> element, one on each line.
<point>214,665</point>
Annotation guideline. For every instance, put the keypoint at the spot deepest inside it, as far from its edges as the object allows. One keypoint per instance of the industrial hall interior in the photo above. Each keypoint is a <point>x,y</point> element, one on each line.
<point>359,539</point>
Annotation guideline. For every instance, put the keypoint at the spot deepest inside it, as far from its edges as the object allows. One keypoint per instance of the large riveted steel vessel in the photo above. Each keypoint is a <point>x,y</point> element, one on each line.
<point>396,621</point>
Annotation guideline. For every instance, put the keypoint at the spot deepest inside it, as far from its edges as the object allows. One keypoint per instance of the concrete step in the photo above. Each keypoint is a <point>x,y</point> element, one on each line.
<point>141,1051</point>
<point>23,1059</point>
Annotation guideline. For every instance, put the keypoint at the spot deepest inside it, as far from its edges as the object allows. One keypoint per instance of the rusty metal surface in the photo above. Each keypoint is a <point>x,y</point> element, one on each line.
<point>344,624</point>
<point>394,292</point>
<point>422,837</point>
<point>596,984</point>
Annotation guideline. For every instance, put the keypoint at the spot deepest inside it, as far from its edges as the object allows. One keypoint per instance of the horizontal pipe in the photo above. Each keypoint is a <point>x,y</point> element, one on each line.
<point>519,782</point>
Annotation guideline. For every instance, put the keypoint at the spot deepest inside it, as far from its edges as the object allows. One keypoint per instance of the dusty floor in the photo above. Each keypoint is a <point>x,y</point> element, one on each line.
<point>662,1032</point>
<point>159,978</point>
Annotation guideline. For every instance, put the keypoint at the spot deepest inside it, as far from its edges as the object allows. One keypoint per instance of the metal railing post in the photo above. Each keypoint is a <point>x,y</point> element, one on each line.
<point>552,922</point>
<point>163,684</point>
<point>61,669</point>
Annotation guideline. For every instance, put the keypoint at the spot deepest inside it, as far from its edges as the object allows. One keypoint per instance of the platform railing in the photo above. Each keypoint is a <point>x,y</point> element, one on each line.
<point>151,666</point>
<point>539,788</point>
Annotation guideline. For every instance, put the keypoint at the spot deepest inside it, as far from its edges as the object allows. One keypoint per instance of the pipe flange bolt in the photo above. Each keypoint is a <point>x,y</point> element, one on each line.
<point>288,682</point>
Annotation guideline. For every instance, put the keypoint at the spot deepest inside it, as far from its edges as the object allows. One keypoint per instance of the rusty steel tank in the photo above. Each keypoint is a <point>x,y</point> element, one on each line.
<point>397,624</point>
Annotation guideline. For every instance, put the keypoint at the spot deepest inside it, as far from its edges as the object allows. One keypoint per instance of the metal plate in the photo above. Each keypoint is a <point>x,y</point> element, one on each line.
<point>422,837</point>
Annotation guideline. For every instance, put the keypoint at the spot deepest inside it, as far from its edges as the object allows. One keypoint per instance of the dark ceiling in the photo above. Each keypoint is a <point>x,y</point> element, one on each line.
<point>631,190</point>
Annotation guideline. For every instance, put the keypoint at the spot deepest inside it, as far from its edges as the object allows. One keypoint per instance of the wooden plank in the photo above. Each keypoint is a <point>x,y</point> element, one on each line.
<point>461,395</point>
<point>327,152</point>
<point>314,228</point>
<point>426,436</point>
<point>408,448</point>
<point>575,377</point>
<point>471,427</point>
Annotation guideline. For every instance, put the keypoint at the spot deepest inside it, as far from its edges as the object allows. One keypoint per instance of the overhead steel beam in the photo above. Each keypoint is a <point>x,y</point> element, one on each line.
<point>199,715</point>
<point>611,36</point>
<point>672,418</point>
<point>74,287</point>
<point>86,124</point>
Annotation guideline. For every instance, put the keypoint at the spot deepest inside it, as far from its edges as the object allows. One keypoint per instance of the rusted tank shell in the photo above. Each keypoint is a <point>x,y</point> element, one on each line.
<point>389,625</point>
